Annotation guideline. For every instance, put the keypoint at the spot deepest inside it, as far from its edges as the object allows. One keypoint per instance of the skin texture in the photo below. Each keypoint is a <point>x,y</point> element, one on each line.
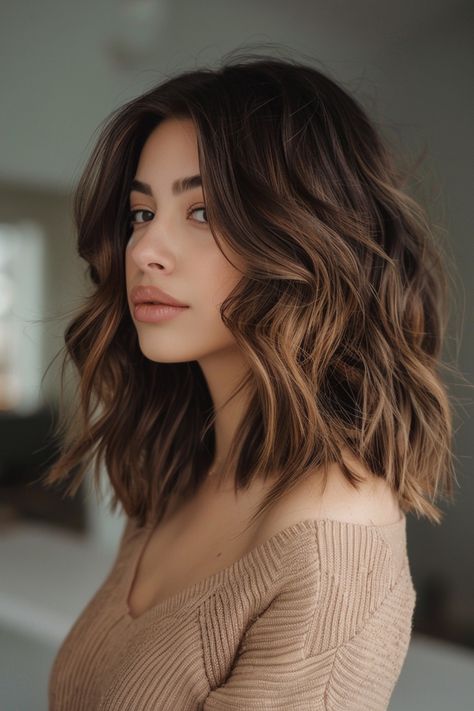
<point>173,247</point>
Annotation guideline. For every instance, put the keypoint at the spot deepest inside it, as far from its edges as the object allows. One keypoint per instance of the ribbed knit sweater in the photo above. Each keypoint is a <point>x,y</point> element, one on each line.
<point>317,617</point>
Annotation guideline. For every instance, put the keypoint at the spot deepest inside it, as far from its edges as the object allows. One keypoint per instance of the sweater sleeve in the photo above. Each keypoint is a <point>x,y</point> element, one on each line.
<point>333,639</point>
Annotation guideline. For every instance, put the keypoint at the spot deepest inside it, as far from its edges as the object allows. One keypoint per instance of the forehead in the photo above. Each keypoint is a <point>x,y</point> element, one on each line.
<point>170,154</point>
<point>172,139</point>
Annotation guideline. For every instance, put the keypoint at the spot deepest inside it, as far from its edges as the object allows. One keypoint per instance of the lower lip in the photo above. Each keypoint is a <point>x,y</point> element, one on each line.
<point>154,313</point>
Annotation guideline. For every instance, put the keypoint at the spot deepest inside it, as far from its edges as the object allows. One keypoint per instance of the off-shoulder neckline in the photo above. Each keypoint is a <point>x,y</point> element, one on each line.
<point>253,556</point>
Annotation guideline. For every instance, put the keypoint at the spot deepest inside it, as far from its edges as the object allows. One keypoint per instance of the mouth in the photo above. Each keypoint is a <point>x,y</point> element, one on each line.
<point>161,303</point>
<point>150,295</point>
<point>156,311</point>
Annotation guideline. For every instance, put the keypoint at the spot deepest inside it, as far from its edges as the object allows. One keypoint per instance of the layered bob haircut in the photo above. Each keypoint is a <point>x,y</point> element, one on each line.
<point>341,311</point>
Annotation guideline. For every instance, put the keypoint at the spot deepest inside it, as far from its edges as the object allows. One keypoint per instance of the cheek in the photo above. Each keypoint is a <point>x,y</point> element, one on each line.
<point>225,278</point>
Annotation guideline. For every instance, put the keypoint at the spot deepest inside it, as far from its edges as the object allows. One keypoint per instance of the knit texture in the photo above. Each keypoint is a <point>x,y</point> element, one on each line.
<point>316,618</point>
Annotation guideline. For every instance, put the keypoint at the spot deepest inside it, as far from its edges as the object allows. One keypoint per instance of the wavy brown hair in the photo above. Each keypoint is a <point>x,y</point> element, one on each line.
<point>341,312</point>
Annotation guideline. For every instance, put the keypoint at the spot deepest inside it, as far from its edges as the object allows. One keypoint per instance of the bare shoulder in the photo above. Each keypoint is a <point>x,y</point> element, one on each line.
<point>373,503</point>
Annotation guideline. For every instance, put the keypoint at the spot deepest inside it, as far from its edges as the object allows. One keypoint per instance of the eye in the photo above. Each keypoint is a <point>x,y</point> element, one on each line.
<point>133,213</point>
<point>196,209</point>
<point>132,219</point>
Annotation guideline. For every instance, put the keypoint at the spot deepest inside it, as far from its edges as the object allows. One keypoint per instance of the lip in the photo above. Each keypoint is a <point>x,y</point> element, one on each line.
<point>148,294</point>
<point>154,313</point>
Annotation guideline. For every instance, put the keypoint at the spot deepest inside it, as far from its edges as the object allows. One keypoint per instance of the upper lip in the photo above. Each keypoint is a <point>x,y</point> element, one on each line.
<point>143,294</point>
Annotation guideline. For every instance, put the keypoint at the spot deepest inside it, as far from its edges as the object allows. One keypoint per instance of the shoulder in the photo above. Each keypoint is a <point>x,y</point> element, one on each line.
<point>372,504</point>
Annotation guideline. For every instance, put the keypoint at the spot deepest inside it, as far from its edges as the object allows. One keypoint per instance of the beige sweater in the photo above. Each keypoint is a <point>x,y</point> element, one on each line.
<point>317,617</point>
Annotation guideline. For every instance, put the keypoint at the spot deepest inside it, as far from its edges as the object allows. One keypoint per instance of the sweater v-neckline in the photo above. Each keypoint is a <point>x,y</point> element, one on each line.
<point>250,558</point>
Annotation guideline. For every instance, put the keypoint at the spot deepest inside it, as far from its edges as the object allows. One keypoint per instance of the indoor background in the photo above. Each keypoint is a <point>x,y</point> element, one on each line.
<point>64,66</point>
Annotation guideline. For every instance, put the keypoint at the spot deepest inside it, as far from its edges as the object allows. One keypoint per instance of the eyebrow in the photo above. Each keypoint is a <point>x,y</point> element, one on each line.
<point>179,186</point>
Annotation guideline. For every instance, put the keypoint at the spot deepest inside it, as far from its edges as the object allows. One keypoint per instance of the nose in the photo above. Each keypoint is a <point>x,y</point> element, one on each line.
<point>148,250</point>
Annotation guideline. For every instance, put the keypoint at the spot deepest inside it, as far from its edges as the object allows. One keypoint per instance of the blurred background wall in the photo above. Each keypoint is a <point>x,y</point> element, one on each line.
<point>64,67</point>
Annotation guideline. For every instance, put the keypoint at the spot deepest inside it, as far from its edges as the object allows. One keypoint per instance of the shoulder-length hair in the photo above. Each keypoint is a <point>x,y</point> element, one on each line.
<point>340,314</point>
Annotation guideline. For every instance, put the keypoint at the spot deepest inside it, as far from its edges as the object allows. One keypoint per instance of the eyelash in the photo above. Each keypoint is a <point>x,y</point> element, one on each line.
<point>132,213</point>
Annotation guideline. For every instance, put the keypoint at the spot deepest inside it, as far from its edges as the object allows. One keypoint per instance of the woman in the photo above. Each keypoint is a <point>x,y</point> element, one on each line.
<point>266,433</point>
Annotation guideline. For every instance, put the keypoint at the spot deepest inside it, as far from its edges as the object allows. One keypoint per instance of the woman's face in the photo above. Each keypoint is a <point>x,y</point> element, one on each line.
<point>172,247</point>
